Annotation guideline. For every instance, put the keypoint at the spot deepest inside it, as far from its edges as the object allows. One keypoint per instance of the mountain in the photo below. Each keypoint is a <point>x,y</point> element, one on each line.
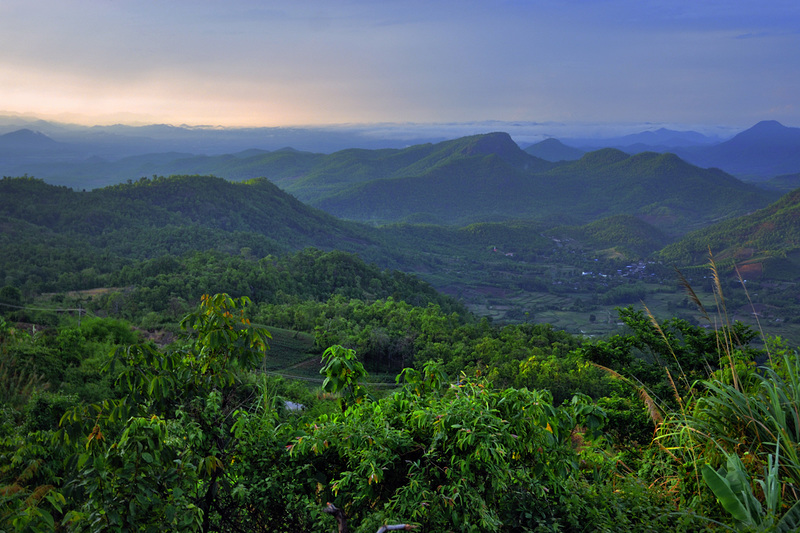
<point>476,189</point>
<point>554,150</point>
<point>660,140</point>
<point>25,144</point>
<point>26,139</point>
<point>767,149</point>
<point>661,189</point>
<point>766,241</point>
<point>355,167</point>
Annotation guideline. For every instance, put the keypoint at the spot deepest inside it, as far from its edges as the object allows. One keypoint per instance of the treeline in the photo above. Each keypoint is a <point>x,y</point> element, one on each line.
<point>162,289</point>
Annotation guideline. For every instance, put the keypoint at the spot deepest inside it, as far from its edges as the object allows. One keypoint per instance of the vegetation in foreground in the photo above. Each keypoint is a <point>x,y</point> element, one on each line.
<point>669,426</point>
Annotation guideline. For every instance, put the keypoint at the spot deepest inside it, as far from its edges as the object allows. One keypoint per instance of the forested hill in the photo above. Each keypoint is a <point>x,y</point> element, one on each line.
<point>620,234</point>
<point>660,188</point>
<point>336,172</point>
<point>255,206</point>
<point>48,230</point>
<point>767,239</point>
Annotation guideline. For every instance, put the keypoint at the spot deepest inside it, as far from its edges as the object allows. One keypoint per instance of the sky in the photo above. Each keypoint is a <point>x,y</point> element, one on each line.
<point>321,62</point>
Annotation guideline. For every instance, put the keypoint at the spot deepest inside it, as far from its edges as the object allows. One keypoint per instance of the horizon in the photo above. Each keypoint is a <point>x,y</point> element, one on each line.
<point>523,132</point>
<point>248,64</point>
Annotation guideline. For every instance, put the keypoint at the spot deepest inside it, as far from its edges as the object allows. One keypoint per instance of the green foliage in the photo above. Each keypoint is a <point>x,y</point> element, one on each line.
<point>308,275</point>
<point>667,358</point>
<point>30,501</point>
<point>160,455</point>
<point>343,372</point>
<point>19,378</point>
<point>465,457</point>
<point>563,376</point>
<point>11,296</point>
<point>140,483</point>
<point>45,409</point>
<point>731,486</point>
<point>752,421</point>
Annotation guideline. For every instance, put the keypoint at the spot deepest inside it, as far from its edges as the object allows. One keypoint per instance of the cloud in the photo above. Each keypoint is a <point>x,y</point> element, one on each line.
<point>358,60</point>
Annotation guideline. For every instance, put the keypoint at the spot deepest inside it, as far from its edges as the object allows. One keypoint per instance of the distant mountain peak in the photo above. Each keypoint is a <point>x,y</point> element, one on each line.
<point>552,149</point>
<point>499,143</point>
<point>768,132</point>
<point>26,143</point>
<point>26,135</point>
<point>771,124</point>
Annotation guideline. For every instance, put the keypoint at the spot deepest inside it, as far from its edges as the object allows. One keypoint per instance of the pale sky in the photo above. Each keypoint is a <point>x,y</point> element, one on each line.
<point>263,63</point>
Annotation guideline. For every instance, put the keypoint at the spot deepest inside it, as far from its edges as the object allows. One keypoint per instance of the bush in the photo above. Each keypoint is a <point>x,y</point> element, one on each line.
<point>45,409</point>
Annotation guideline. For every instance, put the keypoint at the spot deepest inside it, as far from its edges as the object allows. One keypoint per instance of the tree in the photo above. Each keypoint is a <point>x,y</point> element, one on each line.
<point>160,456</point>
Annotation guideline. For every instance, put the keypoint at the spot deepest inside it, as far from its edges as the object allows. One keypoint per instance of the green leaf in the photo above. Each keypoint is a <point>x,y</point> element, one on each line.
<point>82,458</point>
<point>47,517</point>
<point>722,490</point>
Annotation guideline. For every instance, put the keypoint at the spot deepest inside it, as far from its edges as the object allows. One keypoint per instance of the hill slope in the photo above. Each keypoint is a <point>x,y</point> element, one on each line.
<point>767,238</point>
<point>150,208</point>
<point>620,234</point>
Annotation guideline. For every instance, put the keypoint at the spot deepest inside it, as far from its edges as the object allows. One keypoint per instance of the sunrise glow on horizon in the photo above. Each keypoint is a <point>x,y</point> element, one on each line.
<point>250,63</point>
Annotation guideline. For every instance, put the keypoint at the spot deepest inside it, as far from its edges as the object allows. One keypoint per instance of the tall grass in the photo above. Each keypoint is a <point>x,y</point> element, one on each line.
<point>754,419</point>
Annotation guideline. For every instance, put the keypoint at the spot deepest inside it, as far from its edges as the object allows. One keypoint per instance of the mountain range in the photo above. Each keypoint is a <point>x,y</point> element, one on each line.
<point>479,178</point>
<point>661,188</point>
<point>88,157</point>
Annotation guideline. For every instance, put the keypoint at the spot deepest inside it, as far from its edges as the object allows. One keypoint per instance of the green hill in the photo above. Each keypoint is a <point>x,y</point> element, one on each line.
<point>764,242</point>
<point>479,188</point>
<point>49,231</point>
<point>620,234</point>
<point>783,183</point>
<point>354,167</point>
<point>215,204</point>
<point>661,189</point>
